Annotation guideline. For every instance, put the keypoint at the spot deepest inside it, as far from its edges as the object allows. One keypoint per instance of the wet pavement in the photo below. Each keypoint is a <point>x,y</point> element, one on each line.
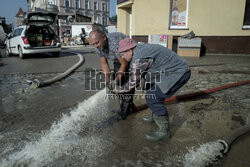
<point>98,139</point>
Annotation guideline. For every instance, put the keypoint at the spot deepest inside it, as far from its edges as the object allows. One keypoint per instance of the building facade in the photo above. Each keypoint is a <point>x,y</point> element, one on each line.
<point>19,18</point>
<point>223,26</point>
<point>95,11</point>
<point>2,20</point>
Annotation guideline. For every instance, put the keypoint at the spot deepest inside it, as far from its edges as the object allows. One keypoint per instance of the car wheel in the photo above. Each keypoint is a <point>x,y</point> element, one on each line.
<point>20,52</point>
<point>56,54</point>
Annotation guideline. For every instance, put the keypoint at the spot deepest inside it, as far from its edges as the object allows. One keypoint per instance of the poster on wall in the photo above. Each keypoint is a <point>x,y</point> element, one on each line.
<point>179,12</point>
<point>158,39</point>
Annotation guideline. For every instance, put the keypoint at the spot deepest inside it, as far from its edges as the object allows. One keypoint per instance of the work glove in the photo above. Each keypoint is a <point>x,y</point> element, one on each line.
<point>116,91</point>
<point>113,84</point>
<point>110,86</point>
<point>113,87</point>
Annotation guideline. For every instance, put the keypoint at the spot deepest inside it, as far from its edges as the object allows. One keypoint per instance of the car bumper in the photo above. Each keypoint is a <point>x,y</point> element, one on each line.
<point>32,50</point>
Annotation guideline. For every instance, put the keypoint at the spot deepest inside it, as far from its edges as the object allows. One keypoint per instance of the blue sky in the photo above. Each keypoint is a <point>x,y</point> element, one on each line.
<point>9,8</point>
<point>112,7</point>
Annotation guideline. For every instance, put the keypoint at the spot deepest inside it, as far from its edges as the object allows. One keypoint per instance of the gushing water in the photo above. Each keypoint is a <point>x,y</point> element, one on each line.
<point>62,135</point>
<point>206,154</point>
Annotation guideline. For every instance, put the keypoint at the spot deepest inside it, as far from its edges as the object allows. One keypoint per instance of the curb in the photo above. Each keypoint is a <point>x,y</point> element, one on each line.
<point>77,46</point>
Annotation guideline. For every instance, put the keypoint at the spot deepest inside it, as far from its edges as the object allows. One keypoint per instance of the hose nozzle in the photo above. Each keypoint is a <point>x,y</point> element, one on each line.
<point>35,84</point>
<point>225,145</point>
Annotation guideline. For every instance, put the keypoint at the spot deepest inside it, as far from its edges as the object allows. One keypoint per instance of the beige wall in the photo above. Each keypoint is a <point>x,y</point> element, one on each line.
<point>124,20</point>
<point>150,16</point>
<point>205,17</point>
<point>217,18</point>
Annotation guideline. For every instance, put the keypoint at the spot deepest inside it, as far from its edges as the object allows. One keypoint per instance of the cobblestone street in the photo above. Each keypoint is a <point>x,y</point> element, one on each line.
<point>25,114</point>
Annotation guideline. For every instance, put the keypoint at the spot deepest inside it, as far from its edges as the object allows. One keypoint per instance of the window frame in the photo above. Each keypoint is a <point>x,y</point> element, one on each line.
<point>104,20</point>
<point>86,5</point>
<point>66,3</point>
<point>246,16</point>
<point>79,4</point>
<point>178,27</point>
<point>96,19</point>
<point>96,5</point>
<point>104,5</point>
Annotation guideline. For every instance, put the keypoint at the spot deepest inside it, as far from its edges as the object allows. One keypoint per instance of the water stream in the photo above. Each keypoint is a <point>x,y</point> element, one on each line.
<point>206,154</point>
<point>73,139</point>
<point>62,136</point>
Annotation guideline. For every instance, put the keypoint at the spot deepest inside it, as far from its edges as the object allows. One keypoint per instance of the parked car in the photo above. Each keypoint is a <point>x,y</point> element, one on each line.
<point>2,36</point>
<point>36,36</point>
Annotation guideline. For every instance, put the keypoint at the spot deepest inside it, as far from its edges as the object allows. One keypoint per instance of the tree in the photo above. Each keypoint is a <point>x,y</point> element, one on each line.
<point>7,28</point>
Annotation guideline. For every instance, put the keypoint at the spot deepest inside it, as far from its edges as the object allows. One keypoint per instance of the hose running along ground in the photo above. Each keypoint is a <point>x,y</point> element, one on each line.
<point>207,153</point>
<point>37,83</point>
<point>234,135</point>
<point>210,152</point>
<point>195,94</point>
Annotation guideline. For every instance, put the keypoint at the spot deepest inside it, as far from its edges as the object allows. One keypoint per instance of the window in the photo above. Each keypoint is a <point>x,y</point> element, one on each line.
<point>96,19</point>
<point>67,3</point>
<point>104,21</point>
<point>104,7</point>
<point>18,32</point>
<point>77,4</point>
<point>246,23</point>
<point>53,2</point>
<point>179,14</point>
<point>95,5</point>
<point>86,4</point>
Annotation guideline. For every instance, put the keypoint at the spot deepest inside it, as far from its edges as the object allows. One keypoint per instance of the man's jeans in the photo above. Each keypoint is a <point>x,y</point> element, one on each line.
<point>155,97</point>
<point>126,104</point>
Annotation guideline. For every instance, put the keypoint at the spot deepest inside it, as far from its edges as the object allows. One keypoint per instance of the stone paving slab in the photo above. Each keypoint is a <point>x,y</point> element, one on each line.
<point>192,121</point>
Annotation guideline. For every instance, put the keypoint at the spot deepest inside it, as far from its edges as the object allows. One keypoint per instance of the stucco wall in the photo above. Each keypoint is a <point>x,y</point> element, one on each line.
<point>205,18</point>
<point>150,17</point>
<point>217,18</point>
<point>123,20</point>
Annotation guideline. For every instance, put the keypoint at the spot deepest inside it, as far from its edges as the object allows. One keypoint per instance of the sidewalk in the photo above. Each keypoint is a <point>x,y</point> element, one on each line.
<point>210,117</point>
<point>78,46</point>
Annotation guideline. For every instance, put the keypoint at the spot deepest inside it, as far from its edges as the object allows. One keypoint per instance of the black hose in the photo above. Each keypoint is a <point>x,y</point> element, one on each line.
<point>195,94</point>
<point>228,140</point>
<point>236,134</point>
<point>36,83</point>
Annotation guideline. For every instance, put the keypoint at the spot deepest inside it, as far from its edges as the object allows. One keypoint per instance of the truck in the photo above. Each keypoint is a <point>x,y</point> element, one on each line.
<point>88,26</point>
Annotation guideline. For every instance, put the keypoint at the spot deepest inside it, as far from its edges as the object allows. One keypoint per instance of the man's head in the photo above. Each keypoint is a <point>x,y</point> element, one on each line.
<point>126,48</point>
<point>98,39</point>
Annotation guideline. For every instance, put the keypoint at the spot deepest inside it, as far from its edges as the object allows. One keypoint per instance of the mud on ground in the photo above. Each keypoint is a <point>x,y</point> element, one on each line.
<point>26,113</point>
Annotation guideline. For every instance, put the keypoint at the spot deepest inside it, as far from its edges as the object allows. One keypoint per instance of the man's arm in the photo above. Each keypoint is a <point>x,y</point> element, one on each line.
<point>105,69</point>
<point>122,69</point>
<point>136,69</point>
